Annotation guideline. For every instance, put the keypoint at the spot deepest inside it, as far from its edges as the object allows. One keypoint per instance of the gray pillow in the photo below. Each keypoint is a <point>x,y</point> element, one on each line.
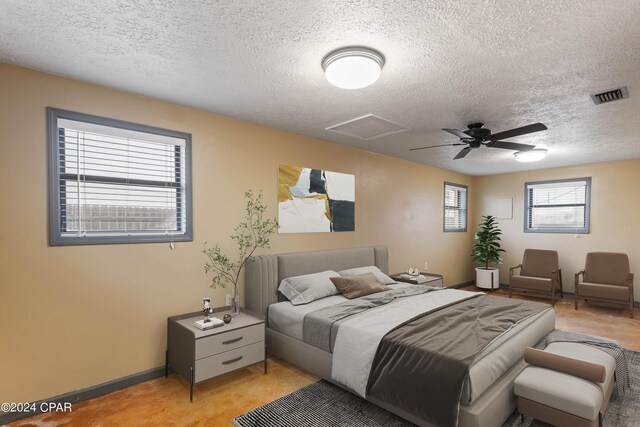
<point>383,278</point>
<point>309,287</point>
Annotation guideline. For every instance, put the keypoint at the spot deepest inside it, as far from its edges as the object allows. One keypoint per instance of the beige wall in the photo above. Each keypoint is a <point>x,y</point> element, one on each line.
<point>615,203</point>
<point>73,317</point>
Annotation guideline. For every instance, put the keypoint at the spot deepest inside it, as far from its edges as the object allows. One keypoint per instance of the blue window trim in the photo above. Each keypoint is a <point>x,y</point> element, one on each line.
<point>56,238</point>
<point>561,230</point>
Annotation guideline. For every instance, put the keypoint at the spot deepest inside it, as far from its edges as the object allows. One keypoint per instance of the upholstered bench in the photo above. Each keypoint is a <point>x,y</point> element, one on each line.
<point>567,384</point>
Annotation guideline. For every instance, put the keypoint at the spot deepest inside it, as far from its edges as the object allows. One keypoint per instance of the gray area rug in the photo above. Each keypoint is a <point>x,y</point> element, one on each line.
<point>322,404</point>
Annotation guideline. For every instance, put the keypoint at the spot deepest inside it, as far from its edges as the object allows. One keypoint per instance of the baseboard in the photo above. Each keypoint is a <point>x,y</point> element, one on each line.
<point>461,285</point>
<point>86,393</point>
<point>567,294</point>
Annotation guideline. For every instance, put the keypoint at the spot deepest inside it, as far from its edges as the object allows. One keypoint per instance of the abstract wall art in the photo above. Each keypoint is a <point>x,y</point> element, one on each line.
<point>315,200</point>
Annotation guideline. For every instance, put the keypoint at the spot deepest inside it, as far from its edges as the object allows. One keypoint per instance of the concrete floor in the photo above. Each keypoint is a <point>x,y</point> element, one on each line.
<point>165,402</point>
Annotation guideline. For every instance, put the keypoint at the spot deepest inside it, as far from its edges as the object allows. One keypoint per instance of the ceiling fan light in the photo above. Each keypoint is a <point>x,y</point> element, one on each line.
<point>353,67</point>
<point>533,155</point>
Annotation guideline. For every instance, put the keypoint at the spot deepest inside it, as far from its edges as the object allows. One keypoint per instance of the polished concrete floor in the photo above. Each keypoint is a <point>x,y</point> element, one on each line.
<point>165,402</point>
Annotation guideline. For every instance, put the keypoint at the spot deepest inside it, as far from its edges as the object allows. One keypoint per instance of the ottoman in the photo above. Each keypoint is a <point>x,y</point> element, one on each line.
<point>567,384</point>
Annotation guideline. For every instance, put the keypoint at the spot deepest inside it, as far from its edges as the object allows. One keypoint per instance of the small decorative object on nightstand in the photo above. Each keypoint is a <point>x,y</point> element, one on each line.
<point>413,271</point>
<point>207,323</point>
<point>199,355</point>
<point>422,278</point>
<point>206,309</point>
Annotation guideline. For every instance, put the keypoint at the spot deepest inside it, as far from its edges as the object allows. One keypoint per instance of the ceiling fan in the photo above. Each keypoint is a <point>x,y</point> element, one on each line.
<point>477,135</point>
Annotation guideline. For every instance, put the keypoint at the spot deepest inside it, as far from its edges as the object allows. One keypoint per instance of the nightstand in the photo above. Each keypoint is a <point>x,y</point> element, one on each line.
<point>201,355</point>
<point>435,280</point>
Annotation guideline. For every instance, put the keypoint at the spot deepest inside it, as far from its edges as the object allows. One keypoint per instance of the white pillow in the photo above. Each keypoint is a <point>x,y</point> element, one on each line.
<point>309,287</point>
<point>383,278</point>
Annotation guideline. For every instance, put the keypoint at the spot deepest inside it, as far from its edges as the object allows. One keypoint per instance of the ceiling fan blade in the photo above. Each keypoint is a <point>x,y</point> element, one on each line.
<point>462,153</point>
<point>434,146</point>
<point>536,127</point>
<point>457,133</point>
<point>510,145</point>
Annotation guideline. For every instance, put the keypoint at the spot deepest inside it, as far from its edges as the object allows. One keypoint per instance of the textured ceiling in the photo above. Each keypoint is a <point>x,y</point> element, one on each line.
<point>448,63</point>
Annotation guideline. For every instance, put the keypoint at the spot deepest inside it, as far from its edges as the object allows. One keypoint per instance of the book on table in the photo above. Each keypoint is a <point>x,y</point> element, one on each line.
<point>213,322</point>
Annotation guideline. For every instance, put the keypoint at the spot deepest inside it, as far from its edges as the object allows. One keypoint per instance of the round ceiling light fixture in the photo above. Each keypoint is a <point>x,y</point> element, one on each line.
<point>531,155</point>
<point>353,67</point>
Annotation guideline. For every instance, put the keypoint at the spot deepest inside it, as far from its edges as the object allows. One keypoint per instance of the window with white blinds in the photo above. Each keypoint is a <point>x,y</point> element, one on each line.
<point>116,182</point>
<point>455,207</point>
<point>560,206</point>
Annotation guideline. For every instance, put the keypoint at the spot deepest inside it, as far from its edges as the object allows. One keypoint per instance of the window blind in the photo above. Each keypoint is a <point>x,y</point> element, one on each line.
<point>119,183</point>
<point>558,206</point>
<point>455,207</point>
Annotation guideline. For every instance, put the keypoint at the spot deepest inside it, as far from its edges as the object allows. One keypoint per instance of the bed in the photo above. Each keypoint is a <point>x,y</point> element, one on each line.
<point>487,397</point>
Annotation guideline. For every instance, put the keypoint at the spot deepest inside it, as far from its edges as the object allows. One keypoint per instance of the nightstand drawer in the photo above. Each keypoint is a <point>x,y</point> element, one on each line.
<point>229,361</point>
<point>227,341</point>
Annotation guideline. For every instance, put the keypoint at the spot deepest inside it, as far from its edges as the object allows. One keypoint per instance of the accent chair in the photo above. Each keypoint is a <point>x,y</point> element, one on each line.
<point>606,279</point>
<point>540,275</point>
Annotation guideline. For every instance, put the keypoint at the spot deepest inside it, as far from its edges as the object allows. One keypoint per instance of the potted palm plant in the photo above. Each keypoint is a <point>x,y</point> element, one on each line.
<point>487,251</point>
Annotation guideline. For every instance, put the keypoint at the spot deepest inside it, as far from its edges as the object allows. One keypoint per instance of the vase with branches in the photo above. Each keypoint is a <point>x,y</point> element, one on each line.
<point>250,235</point>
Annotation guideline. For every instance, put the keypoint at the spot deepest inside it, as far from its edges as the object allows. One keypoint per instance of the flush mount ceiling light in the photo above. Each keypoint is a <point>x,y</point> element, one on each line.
<point>531,155</point>
<point>353,67</point>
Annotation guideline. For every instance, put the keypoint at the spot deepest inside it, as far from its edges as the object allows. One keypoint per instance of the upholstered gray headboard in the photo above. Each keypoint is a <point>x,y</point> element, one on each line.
<point>264,273</point>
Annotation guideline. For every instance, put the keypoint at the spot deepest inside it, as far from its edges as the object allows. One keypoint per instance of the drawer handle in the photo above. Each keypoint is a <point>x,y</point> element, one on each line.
<point>232,360</point>
<point>231,341</point>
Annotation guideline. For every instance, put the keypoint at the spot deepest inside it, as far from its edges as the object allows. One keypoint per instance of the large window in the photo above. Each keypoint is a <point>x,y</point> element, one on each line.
<point>116,182</point>
<point>455,207</point>
<point>560,206</point>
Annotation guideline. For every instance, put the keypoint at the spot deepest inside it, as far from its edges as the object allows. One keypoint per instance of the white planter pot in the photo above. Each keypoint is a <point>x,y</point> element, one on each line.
<point>487,278</point>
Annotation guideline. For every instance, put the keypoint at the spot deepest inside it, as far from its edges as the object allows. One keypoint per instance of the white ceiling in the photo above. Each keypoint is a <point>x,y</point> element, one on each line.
<point>448,63</point>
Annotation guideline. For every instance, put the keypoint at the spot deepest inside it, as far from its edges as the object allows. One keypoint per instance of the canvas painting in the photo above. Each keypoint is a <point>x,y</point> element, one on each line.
<point>315,201</point>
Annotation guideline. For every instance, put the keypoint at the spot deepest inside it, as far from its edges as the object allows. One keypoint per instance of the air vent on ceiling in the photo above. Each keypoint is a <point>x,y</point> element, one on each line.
<point>368,127</point>
<point>610,95</point>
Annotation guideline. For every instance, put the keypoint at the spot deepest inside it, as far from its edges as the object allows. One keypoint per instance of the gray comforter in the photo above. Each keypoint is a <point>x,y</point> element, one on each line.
<point>420,364</point>
<point>321,326</point>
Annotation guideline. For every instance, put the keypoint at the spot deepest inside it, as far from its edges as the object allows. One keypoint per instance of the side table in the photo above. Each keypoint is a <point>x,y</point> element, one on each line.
<point>435,280</point>
<point>199,355</point>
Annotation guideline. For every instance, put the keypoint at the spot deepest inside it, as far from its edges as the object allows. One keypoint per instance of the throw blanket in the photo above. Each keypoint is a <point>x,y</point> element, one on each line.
<point>609,347</point>
<point>421,366</point>
<point>358,338</point>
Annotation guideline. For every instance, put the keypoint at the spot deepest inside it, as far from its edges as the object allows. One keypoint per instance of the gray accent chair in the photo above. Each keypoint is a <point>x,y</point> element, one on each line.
<point>606,279</point>
<point>540,275</point>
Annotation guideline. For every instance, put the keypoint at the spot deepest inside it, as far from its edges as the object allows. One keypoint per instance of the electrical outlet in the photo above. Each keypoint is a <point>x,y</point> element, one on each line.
<point>227,300</point>
<point>426,266</point>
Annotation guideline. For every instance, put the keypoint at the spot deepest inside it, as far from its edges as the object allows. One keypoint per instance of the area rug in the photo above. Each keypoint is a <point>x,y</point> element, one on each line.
<point>322,404</point>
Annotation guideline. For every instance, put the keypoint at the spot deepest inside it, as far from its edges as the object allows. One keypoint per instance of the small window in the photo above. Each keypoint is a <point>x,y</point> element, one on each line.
<point>560,206</point>
<point>116,182</point>
<point>455,207</point>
